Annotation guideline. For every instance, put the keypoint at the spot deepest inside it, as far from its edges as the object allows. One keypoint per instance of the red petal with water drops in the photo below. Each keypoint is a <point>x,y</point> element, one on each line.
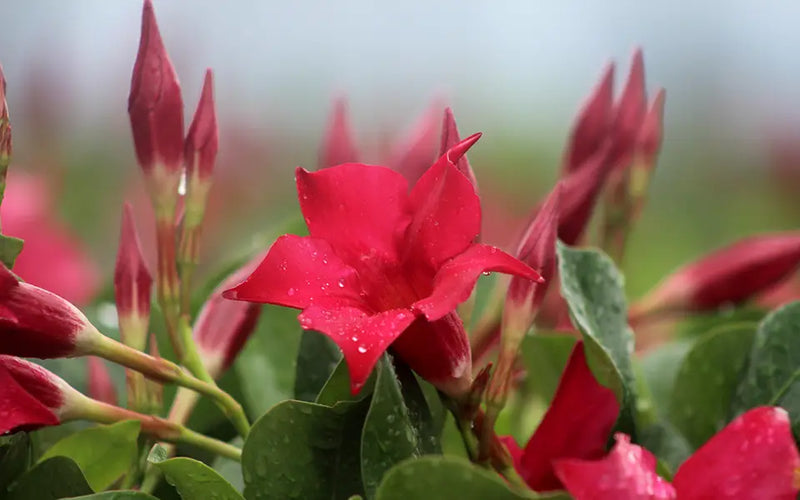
<point>577,424</point>
<point>754,457</point>
<point>361,336</point>
<point>627,473</point>
<point>298,271</point>
<point>457,277</point>
<point>361,210</point>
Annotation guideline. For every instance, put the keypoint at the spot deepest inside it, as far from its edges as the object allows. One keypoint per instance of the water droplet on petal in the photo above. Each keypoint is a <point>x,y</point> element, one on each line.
<point>290,292</point>
<point>362,349</point>
<point>341,282</point>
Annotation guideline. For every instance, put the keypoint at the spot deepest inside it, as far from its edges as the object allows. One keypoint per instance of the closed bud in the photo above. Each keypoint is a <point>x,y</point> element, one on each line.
<point>450,138</point>
<point>415,153</point>
<point>202,143</point>
<point>132,285</point>
<point>223,326</point>
<point>652,130</point>
<point>36,323</point>
<point>156,113</point>
<point>579,194</point>
<point>726,276</point>
<point>101,387</point>
<point>629,113</point>
<point>593,124</point>
<point>338,145</point>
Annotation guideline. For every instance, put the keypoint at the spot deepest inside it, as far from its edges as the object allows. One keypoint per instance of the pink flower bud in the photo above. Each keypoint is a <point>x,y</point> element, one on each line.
<point>154,105</point>
<point>338,146</point>
<point>101,387</point>
<point>202,140</point>
<point>652,129</point>
<point>726,276</point>
<point>450,138</point>
<point>537,248</point>
<point>579,194</point>
<point>223,326</point>
<point>30,396</point>
<point>415,153</point>
<point>132,284</point>
<point>628,114</point>
<point>36,323</point>
<point>593,124</point>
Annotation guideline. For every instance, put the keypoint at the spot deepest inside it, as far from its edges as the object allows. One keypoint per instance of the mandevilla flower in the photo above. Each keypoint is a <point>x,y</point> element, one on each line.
<point>577,425</point>
<point>450,138</point>
<point>384,266</point>
<point>754,457</point>
<point>30,396</point>
<point>223,326</point>
<point>726,276</point>
<point>132,284</point>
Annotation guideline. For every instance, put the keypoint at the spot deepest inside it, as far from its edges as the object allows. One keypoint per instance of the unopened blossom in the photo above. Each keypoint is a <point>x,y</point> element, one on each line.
<point>577,425</point>
<point>223,326</point>
<point>629,114</point>
<point>651,133</point>
<point>450,138</point>
<point>338,144</point>
<point>101,387</point>
<point>729,275</point>
<point>592,126</point>
<point>133,284</point>
<point>413,153</point>
<point>754,457</point>
<point>384,266</point>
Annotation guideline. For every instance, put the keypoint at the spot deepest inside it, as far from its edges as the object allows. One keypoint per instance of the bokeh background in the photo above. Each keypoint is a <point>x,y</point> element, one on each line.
<point>517,71</point>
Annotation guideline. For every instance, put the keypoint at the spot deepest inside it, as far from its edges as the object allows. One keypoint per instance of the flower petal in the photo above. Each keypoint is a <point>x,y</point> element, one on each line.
<point>450,138</point>
<point>447,211</point>
<point>20,409</point>
<point>439,352</point>
<point>298,271</point>
<point>576,425</point>
<point>753,457</point>
<point>457,277</point>
<point>580,191</point>
<point>361,337</point>
<point>627,473</point>
<point>513,449</point>
<point>361,210</point>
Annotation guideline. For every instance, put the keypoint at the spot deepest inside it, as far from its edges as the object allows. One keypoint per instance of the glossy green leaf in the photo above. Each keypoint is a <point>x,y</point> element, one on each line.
<point>305,450</point>
<point>545,357</point>
<point>425,409</point>
<point>593,289</point>
<point>118,495</point>
<point>10,247</point>
<point>337,387</point>
<point>15,457</point>
<point>706,382</point>
<point>104,453</point>
<point>266,365</point>
<point>446,477</point>
<point>195,479</point>
<point>391,434</point>
<point>659,368</point>
<point>316,360</point>
<point>57,477</point>
<point>773,373</point>
<point>666,443</point>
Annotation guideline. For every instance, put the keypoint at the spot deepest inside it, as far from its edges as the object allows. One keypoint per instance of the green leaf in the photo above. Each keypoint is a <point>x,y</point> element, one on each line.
<point>658,369</point>
<point>545,357</point>
<point>57,477</point>
<point>706,382</point>
<point>390,435</point>
<point>104,453</point>
<point>593,289</point>
<point>264,368</point>
<point>425,409</point>
<point>445,477</point>
<point>305,450</point>
<point>666,443</point>
<point>10,248</point>
<point>195,479</point>
<point>316,360</point>
<point>337,387</point>
<point>773,373</point>
<point>15,457</point>
<point>117,495</point>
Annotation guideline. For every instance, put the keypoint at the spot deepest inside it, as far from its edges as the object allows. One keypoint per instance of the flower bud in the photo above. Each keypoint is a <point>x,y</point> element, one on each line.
<point>31,396</point>
<point>579,194</point>
<point>338,146</point>
<point>156,112</point>
<point>593,125</point>
<point>726,276</point>
<point>629,113</point>
<point>39,324</point>
<point>652,130</point>
<point>132,285</point>
<point>450,138</point>
<point>223,326</point>
<point>101,387</point>
<point>416,152</point>
<point>202,143</point>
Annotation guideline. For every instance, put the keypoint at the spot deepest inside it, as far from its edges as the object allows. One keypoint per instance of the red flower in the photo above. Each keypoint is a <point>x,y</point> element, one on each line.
<point>450,138</point>
<point>223,326</point>
<point>754,457</point>
<point>40,324</point>
<point>30,396</point>
<point>155,105</point>
<point>727,276</point>
<point>577,425</point>
<point>101,387</point>
<point>51,257</point>
<point>384,266</point>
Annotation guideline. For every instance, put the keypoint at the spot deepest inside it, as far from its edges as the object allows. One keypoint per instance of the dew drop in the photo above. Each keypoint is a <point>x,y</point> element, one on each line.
<point>362,349</point>
<point>290,292</point>
<point>341,282</point>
